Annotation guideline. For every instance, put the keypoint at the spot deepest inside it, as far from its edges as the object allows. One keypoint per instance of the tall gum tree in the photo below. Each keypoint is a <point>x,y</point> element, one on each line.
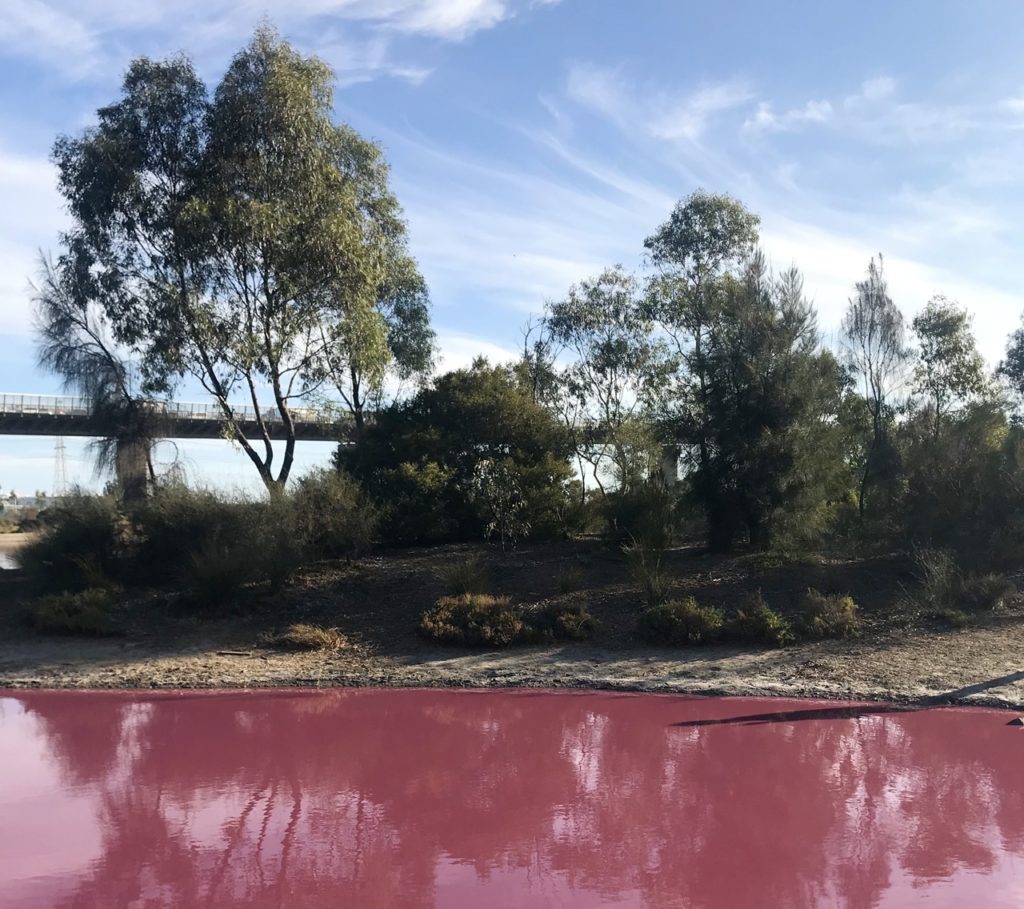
<point>245,240</point>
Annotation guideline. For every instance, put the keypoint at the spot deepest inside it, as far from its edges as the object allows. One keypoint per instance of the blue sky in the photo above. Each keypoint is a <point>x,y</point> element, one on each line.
<point>532,143</point>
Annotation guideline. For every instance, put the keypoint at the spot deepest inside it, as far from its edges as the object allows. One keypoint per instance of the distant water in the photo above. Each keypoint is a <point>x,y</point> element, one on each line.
<point>416,799</point>
<point>7,560</point>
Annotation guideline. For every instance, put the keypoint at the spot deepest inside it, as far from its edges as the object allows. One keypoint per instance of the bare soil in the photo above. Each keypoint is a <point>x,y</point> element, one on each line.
<point>902,654</point>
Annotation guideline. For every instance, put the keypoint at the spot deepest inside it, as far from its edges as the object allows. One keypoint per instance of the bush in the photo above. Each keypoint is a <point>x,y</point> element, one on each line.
<point>987,591</point>
<point>759,623</point>
<point>84,537</point>
<point>561,622</point>
<point>309,637</point>
<point>680,622</point>
<point>954,618</point>
<point>644,561</point>
<point>938,578</point>
<point>85,613</point>
<point>468,574</point>
<point>570,579</point>
<point>333,515</point>
<point>474,620</point>
<point>218,569</point>
<point>829,615</point>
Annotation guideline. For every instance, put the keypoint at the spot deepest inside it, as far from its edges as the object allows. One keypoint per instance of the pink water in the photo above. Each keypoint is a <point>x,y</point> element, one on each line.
<point>384,798</point>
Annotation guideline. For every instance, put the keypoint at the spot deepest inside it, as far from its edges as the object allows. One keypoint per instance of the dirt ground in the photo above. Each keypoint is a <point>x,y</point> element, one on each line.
<point>902,654</point>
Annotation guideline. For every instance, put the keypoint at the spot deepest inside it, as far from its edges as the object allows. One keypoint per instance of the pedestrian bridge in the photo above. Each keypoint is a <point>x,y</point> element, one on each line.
<point>67,415</point>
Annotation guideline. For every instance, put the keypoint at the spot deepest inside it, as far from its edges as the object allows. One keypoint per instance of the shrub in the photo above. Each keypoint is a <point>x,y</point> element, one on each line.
<point>987,591</point>
<point>468,574</point>
<point>759,623</point>
<point>938,577</point>
<point>561,622</point>
<point>84,536</point>
<point>680,622</point>
<point>954,618</point>
<point>645,567</point>
<point>309,637</point>
<point>218,569</point>
<point>645,512</point>
<point>87,612</point>
<point>333,515</point>
<point>830,615</point>
<point>474,620</point>
<point>570,579</point>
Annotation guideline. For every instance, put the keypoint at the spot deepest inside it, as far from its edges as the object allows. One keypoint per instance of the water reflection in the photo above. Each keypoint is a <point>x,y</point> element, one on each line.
<point>467,799</point>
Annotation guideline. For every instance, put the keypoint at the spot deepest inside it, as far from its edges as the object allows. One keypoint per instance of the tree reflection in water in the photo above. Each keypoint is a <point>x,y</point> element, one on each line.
<point>376,798</point>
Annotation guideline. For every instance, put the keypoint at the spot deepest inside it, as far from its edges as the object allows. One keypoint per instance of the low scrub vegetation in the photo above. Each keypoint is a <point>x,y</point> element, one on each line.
<point>305,636</point>
<point>87,613</point>
<point>756,622</point>
<point>476,620</point>
<point>645,567</point>
<point>829,615</point>
<point>680,622</point>
<point>466,574</point>
<point>560,622</point>
<point>481,620</point>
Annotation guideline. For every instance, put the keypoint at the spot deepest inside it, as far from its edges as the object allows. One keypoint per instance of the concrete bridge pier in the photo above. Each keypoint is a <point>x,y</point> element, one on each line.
<point>669,467</point>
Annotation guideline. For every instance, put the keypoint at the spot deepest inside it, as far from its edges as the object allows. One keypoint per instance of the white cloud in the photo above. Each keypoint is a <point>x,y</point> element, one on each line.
<point>81,40</point>
<point>661,114</point>
<point>765,119</point>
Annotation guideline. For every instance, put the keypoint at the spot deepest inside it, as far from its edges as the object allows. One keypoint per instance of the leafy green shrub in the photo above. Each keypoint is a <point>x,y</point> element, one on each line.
<point>987,591</point>
<point>829,615</point>
<point>938,578</point>
<point>954,618</point>
<point>469,574</point>
<point>333,515</point>
<point>302,636</point>
<point>680,622</point>
<point>759,623</point>
<point>561,622</point>
<point>645,512</point>
<point>570,579</point>
<point>87,612</point>
<point>84,536</point>
<point>218,569</point>
<point>474,620</point>
<point>645,566</point>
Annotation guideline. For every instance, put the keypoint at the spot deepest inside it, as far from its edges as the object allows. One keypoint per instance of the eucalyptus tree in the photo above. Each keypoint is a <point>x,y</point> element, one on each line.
<point>245,240</point>
<point>771,399</point>
<point>950,370</point>
<point>876,346</point>
<point>705,236</point>
<point>615,376</point>
<point>74,342</point>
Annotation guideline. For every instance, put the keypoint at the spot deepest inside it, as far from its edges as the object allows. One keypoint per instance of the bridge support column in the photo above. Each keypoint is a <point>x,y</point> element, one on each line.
<point>669,468</point>
<point>132,469</point>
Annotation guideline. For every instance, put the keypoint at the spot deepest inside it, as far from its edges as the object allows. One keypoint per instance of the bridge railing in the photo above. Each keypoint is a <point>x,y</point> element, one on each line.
<point>72,406</point>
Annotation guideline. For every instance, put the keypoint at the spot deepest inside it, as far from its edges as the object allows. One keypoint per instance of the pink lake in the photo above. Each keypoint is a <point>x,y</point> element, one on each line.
<point>465,799</point>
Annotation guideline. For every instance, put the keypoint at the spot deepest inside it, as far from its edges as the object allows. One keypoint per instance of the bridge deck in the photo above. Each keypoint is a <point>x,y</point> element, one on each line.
<point>66,415</point>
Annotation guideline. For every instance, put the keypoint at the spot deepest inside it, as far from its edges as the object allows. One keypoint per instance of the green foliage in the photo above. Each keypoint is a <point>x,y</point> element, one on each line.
<point>218,569</point>
<point>950,370</point>
<point>87,613</point>
<point>560,622</point>
<point>829,615</point>
<point>680,622</point>
<point>645,567</point>
<point>243,238</point>
<point>475,620</point>
<point>82,534</point>
<point>422,460</point>
<point>757,622</point>
<point>334,516</point>
<point>570,579</point>
<point>986,591</point>
<point>469,574</point>
<point>954,618</point>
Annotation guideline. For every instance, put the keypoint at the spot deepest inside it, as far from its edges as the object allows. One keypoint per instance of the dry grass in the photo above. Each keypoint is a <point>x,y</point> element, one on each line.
<point>302,636</point>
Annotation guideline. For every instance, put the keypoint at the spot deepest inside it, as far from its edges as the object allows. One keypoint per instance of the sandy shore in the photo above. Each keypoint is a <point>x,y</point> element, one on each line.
<point>975,666</point>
